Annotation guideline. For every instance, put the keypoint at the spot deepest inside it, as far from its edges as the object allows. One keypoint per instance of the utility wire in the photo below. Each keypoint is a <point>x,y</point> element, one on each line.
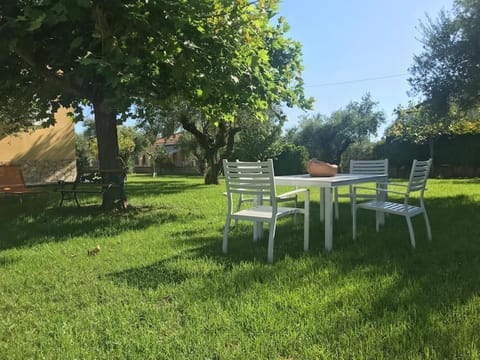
<point>359,80</point>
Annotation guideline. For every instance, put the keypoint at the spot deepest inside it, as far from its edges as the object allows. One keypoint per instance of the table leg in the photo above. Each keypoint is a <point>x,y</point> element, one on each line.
<point>381,197</point>
<point>328,205</point>
<point>257,226</point>
<point>257,231</point>
<point>322,204</point>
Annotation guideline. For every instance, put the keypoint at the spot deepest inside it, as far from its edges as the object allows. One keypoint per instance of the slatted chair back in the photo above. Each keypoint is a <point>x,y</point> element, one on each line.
<point>362,167</point>
<point>417,183</point>
<point>249,178</point>
<point>419,175</point>
<point>257,180</point>
<point>374,167</point>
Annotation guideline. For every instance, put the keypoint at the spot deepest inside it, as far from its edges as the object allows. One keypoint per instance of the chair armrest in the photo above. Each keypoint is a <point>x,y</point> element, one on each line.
<point>397,184</point>
<point>379,189</point>
<point>290,194</point>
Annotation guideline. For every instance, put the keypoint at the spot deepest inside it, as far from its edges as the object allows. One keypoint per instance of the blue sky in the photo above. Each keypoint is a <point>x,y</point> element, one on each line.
<point>345,41</point>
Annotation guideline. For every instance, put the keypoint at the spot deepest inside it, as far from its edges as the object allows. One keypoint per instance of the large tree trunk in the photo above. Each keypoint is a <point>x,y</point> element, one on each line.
<point>108,154</point>
<point>213,167</point>
<point>431,148</point>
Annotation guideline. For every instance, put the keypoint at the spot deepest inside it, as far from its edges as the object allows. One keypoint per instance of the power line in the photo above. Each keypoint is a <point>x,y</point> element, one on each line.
<point>359,80</point>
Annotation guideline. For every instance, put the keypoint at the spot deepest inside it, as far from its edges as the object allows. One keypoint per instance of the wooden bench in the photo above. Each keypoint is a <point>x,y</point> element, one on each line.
<point>13,183</point>
<point>93,182</point>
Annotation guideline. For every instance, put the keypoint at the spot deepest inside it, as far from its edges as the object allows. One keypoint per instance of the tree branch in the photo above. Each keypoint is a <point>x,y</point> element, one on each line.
<point>48,75</point>
<point>190,126</point>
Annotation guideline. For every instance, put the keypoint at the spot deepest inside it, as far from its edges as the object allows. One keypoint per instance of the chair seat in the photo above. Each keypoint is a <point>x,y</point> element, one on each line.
<point>359,195</point>
<point>370,167</point>
<point>391,207</point>
<point>255,180</point>
<point>14,189</point>
<point>416,183</point>
<point>264,212</point>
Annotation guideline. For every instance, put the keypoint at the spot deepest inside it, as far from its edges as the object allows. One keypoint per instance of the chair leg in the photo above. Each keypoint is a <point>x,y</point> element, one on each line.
<point>383,197</point>
<point>410,230</point>
<point>239,205</point>
<point>427,224</point>
<point>271,237</point>
<point>225,235</point>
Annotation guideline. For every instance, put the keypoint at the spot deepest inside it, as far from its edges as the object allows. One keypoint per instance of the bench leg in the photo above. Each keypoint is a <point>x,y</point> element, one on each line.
<point>64,194</point>
<point>61,200</point>
<point>76,199</point>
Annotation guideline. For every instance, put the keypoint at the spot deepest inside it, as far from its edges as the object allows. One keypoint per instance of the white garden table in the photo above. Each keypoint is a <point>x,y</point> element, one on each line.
<point>326,185</point>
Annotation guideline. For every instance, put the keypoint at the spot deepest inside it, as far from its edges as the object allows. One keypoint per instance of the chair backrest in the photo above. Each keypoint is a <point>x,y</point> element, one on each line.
<point>419,175</point>
<point>374,167</point>
<point>250,178</point>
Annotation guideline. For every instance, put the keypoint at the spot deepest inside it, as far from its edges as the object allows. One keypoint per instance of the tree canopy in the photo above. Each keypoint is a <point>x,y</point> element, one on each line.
<point>254,141</point>
<point>327,137</point>
<point>447,71</point>
<point>122,56</point>
<point>417,124</point>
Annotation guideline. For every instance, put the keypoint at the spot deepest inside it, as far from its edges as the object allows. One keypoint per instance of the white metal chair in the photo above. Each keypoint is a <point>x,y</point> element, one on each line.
<point>417,182</point>
<point>242,199</point>
<point>257,179</point>
<point>373,167</point>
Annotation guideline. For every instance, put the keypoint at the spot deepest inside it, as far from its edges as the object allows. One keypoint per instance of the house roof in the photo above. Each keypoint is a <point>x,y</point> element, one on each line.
<point>173,140</point>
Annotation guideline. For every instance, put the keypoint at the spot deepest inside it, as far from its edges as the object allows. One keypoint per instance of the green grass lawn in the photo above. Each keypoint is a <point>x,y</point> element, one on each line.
<point>160,288</point>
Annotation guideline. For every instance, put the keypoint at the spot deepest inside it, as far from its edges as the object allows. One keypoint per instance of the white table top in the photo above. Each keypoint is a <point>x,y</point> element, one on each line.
<point>327,181</point>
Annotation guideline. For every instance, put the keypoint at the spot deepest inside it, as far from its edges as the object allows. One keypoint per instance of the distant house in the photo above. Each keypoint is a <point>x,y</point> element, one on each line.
<point>176,162</point>
<point>44,154</point>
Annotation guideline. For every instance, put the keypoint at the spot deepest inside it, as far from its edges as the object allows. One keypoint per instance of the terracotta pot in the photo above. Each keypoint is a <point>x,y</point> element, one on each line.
<point>321,168</point>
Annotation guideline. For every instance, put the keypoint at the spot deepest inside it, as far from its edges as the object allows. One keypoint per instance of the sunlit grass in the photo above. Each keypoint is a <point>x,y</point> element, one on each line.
<point>160,288</point>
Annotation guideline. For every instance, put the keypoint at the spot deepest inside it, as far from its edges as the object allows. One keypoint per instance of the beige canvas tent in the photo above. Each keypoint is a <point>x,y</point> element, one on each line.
<point>45,155</point>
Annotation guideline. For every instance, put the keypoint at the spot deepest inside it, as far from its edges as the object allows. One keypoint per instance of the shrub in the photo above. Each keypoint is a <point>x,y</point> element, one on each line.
<point>288,158</point>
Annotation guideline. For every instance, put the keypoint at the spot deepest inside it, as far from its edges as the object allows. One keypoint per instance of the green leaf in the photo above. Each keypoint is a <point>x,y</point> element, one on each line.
<point>263,55</point>
<point>76,42</point>
<point>37,23</point>
<point>84,3</point>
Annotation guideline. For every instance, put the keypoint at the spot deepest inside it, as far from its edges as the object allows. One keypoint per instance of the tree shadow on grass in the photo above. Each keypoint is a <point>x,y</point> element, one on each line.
<point>27,228</point>
<point>412,287</point>
<point>8,260</point>
<point>243,254</point>
<point>159,188</point>
<point>40,220</point>
<point>421,285</point>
